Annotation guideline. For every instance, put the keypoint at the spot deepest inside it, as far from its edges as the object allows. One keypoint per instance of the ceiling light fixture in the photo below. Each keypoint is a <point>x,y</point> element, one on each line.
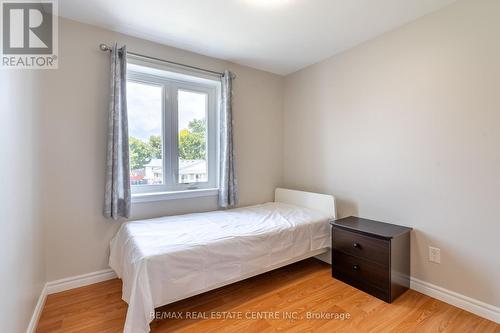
<point>267,3</point>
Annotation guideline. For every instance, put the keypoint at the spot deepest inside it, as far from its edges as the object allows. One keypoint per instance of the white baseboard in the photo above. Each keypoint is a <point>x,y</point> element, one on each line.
<point>479,308</point>
<point>63,285</point>
<point>79,281</point>
<point>38,311</point>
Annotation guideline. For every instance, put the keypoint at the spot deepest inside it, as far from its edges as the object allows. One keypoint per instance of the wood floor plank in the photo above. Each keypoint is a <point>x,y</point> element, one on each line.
<point>299,294</point>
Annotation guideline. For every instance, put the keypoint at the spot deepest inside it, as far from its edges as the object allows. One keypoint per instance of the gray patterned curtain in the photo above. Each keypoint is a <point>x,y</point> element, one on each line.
<point>117,195</point>
<point>228,184</point>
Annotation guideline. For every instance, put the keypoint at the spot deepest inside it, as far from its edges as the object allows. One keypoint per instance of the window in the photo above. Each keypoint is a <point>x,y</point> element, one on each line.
<point>173,130</point>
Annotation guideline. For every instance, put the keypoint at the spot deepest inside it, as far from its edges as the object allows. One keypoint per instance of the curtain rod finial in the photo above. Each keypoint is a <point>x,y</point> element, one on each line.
<point>104,47</point>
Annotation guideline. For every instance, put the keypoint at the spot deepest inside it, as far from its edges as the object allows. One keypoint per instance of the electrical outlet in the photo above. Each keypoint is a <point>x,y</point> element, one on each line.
<point>434,255</point>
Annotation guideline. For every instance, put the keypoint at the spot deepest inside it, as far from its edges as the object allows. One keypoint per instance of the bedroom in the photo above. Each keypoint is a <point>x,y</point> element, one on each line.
<point>389,107</point>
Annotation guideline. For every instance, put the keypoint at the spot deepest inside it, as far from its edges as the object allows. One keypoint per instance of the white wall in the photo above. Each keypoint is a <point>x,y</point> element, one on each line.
<point>74,146</point>
<point>406,129</point>
<point>403,129</point>
<point>22,262</point>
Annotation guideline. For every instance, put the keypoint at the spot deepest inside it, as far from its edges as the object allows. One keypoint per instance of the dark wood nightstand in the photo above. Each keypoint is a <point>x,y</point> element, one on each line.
<point>371,256</point>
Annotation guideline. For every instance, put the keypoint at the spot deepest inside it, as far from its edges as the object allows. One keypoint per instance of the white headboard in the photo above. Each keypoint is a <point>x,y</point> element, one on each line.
<point>317,201</point>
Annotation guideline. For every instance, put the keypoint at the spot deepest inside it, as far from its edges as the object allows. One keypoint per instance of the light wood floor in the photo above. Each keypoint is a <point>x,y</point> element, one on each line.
<point>295,289</point>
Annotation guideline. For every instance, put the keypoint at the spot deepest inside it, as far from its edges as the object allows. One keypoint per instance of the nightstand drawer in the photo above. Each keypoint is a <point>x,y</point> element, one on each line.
<point>374,249</point>
<point>363,271</point>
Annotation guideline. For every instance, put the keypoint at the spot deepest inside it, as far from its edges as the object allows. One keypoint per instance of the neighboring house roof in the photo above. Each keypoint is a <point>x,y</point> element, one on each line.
<point>192,166</point>
<point>185,166</point>
<point>155,162</point>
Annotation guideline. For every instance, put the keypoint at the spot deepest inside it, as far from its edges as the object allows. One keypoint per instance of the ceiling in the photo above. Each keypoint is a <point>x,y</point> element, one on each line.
<point>279,36</point>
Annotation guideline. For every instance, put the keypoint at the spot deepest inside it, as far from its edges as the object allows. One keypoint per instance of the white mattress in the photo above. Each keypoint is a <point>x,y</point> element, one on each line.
<point>166,259</point>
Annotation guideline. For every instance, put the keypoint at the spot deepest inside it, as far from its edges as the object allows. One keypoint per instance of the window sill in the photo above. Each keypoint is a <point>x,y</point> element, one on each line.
<point>174,195</point>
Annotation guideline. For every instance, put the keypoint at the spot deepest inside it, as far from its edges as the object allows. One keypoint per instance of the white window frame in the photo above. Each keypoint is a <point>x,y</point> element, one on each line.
<point>172,80</point>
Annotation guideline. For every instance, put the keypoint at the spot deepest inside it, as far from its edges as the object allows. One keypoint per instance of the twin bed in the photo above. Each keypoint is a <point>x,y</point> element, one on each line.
<point>163,260</point>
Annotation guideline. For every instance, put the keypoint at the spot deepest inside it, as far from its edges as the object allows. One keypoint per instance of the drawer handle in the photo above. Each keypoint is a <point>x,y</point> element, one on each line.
<point>356,245</point>
<point>355,267</point>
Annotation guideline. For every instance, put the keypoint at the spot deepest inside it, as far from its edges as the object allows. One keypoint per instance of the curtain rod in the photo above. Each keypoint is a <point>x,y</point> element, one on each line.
<point>107,48</point>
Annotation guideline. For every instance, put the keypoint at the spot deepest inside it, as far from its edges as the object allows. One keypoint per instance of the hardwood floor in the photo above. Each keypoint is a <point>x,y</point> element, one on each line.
<point>294,290</point>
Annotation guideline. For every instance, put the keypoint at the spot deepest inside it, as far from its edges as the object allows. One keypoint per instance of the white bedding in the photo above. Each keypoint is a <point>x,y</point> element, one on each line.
<point>166,259</point>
